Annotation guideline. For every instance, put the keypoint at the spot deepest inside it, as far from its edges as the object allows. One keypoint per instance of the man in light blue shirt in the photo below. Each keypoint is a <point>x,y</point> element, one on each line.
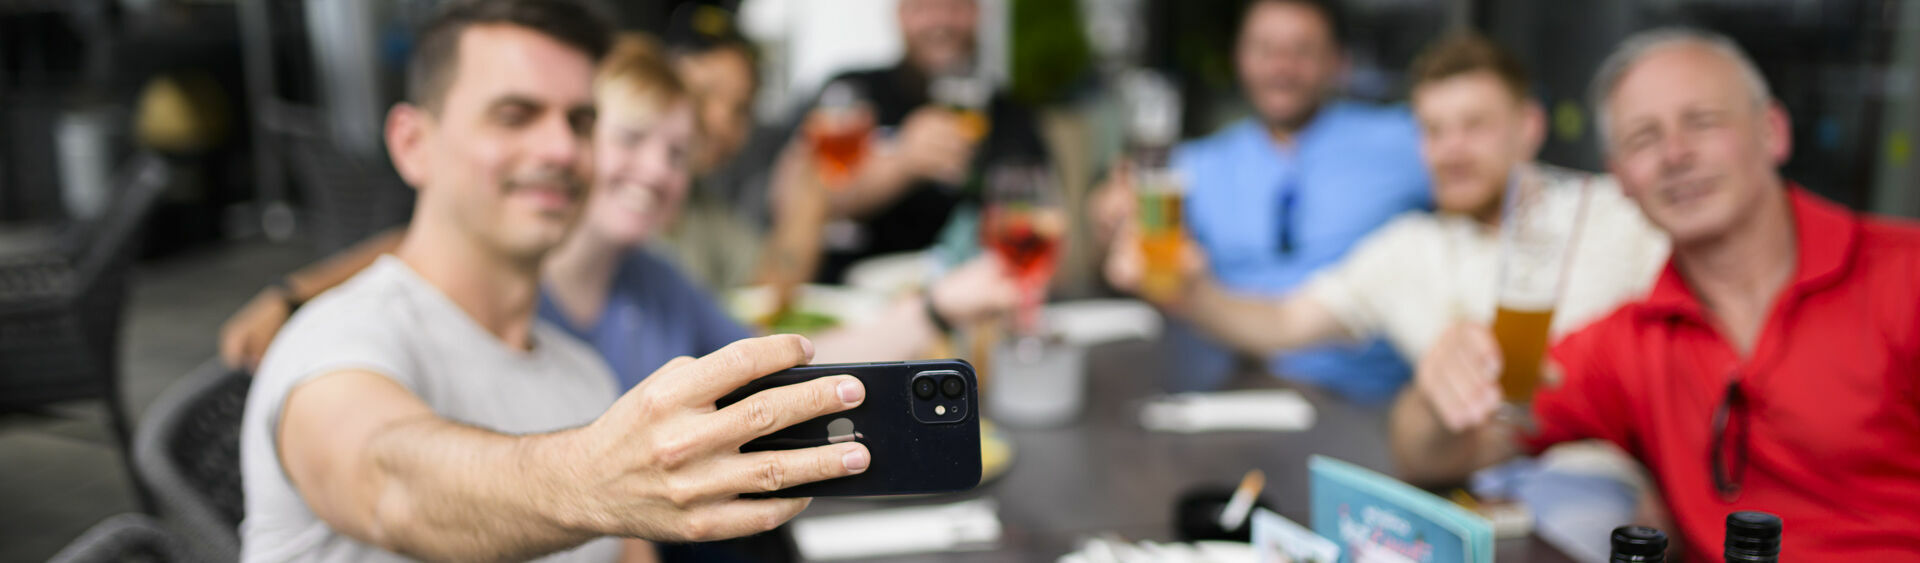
<point>1269,218</point>
<point>1275,197</point>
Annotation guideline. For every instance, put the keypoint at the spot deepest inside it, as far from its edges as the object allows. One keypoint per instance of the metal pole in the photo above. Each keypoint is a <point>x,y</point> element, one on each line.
<point>1897,187</point>
<point>269,171</point>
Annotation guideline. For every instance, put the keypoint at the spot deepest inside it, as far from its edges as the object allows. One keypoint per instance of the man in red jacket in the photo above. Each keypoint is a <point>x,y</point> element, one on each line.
<point>1774,366</point>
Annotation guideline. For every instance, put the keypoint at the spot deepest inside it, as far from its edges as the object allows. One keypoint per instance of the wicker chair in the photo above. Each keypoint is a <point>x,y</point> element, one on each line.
<point>121,538</point>
<point>187,453</point>
<point>61,306</point>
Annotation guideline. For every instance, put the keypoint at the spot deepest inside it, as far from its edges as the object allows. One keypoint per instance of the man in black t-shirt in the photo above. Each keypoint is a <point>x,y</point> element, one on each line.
<point>923,156</point>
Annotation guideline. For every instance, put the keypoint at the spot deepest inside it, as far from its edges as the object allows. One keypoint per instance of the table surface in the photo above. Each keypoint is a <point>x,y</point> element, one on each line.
<point>1103,473</point>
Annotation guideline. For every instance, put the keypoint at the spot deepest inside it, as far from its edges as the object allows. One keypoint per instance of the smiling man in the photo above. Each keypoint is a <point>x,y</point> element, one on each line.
<point>1275,198</point>
<point>1775,364</point>
<point>1411,279</point>
<point>915,178</point>
<point>420,410</point>
<point>1422,271</point>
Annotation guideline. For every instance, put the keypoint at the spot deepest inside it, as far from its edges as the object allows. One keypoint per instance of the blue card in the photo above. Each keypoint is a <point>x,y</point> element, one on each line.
<point>1376,518</point>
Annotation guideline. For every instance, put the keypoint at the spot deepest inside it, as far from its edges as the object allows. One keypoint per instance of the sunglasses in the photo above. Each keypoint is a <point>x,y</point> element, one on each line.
<point>1730,429</point>
<point>1289,197</point>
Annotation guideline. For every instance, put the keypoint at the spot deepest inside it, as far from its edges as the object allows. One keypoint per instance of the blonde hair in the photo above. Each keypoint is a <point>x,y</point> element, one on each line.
<point>636,70</point>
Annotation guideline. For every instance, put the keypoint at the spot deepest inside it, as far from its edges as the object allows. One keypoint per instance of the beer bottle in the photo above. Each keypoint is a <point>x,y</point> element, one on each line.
<point>1638,544</point>
<point>1752,537</point>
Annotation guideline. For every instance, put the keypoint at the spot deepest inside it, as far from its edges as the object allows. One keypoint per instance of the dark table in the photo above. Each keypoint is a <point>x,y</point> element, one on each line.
<point>1104,473</point>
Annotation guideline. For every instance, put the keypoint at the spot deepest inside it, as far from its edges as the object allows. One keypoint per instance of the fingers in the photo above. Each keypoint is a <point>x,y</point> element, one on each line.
<point>765,472</point>
<point>233,348</point>
<point>1485,350</point>
<point>676,363</point>
<point>950,157</point>
<point>254,351</point>
<point>241,347</point>
<point>1460,377</point>
<point>980,288</point>
<point>1125,264</point>
<point>1551,374</point>
<point>1004,292</point>
<point>1193,259</point>
<point>1462,392</point>
<point>742,517</point>
<point>937,144</point>
<point>1111,205</point>
<point>245,335</point>
<point>1482,364</point>
<point>701,382</point>
<point>773,409</point>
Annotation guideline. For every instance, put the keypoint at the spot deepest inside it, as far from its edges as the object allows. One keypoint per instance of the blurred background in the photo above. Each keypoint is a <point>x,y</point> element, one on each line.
<point>162,160</point>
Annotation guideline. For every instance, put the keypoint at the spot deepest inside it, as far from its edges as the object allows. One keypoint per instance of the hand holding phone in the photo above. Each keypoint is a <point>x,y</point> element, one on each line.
<point>920,422</point>
<point>663,464</point>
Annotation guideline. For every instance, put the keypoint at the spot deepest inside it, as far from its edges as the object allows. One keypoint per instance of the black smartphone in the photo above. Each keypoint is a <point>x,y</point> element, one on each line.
<point>920,421</point>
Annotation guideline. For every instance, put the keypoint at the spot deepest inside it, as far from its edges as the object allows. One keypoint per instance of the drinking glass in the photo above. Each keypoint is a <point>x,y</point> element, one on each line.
<point>839,130</point>
<point>1540,218</point>
<point>1023,224</point>
<point>967,96</point>
<point>1158,214</point>
<point>1153,125</point>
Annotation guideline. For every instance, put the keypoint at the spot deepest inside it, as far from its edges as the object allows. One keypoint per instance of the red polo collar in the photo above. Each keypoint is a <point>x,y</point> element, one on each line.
<point>1825,234</point>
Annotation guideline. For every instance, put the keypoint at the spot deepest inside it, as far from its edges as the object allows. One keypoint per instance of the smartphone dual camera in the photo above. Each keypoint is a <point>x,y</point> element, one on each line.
<point>939,397</point>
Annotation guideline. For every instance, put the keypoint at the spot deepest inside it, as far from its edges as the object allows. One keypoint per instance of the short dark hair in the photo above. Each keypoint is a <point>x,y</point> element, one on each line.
<point>1329,10</point>
<point>1465,53</point>
<point>696,28</point>
<point>436,51</point>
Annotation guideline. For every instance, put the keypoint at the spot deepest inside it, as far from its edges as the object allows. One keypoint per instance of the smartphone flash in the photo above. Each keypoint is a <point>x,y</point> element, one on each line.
<point>940,410</point>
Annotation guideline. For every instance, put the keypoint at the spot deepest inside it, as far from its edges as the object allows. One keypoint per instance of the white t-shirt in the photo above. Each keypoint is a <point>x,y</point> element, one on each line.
<point>1422,272</point>
<point>389,321</point>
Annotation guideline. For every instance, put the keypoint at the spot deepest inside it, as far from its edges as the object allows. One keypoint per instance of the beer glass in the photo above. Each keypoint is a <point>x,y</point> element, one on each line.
<point>967,96</point>
<point>1539,220</point>
<point>839,129</point>
<point>1158,215</point>
<point>1153,124</point>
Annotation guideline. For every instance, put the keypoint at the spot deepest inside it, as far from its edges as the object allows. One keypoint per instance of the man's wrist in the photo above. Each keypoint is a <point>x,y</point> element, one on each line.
<point>563,496</point>
<point>283,288</point>
<point>1188,299</point>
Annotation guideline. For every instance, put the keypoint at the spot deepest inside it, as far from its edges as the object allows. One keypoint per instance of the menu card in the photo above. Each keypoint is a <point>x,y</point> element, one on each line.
<point>1376,518</point>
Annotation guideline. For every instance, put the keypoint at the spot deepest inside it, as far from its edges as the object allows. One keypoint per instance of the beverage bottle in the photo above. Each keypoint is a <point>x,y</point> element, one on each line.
<point>1752,537</point>
<point>1638,544</point>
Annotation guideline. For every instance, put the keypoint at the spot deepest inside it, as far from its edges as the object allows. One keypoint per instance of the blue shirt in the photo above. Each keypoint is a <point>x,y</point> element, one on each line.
<point>1269,217</point>
<point>652,315</point>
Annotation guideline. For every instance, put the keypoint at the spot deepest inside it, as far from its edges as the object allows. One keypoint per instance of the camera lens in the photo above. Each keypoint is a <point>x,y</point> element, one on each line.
<point>952,386</point>
<point>923,387</point>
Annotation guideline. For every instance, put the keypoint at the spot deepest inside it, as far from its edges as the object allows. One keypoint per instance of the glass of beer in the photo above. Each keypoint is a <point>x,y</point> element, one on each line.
<point>967,96</point>
<point>1153,125</point>
<point>839,130</point>
<point>1159,195</point>
<point>1539,220</point>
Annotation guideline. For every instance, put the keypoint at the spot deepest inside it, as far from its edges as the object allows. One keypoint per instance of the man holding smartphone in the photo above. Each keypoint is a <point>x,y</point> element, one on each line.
<point>421,411</point>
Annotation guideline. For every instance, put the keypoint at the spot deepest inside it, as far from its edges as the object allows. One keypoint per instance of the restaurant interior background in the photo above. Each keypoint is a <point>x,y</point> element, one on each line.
<point>248,133</point>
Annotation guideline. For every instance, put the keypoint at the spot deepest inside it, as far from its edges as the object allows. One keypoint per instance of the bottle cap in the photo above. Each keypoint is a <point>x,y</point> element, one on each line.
<point>1638,544</point>
<point>1752,536</point>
